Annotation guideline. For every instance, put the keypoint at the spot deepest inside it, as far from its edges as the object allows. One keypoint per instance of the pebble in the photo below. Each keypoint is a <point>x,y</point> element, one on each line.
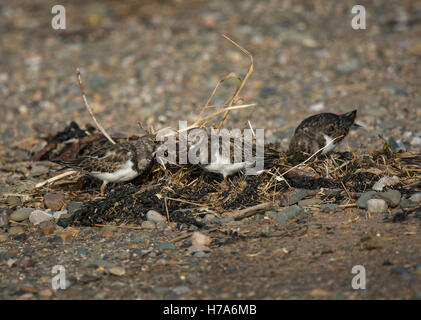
<point>385,181</point>
<point>162,225</point>
<point>13,201</point>
<point>416,141</point>
<point>287,213</point>
<point>362,200</point>
<point>180,290</point>
<point>21,214</point>
<point>37,216</point>
<point>348,66</point>
<point>407,203</point>
<point>416,197</point>
<point>16,230</point>
<point>54,201</point>
<point>165,246</point>
<point>46,293</point>
<point>117,271</point>
<point>292,197</point>
<point>73,206</point>
<point>148,225</point>
<point>392,197</point>
<point>3,238</point>
<point>210,219</point>
<point>37,171</point>
<point>61,214</point>
<point>101,263</point>
<point>155,217</point>
<point>200,254</point>
<point>317,107</point>
<point>376,206</point>
<point>309,202</point>
<point>331,207</point>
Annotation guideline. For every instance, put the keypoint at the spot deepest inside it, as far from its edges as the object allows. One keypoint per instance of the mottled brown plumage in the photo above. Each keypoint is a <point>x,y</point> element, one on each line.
<point>117,163</point>
<point>315,132</point>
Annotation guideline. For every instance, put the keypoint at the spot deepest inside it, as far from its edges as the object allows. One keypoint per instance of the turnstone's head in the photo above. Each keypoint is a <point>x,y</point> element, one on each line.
<point>321,132</point>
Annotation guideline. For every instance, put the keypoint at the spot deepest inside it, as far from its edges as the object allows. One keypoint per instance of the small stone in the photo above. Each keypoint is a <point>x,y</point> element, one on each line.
<point>13,201</point>
<point>317,107</point>
<point>3,238</point>
<point>73,206</point>
<point>287,213</point>
<point>117,271</point>
<point>54,201</point>
<point>319,293</point>
<point>392,197</point>
<point>362,200</point>
<point>101,263</point>
<point>37,216</point>
<point>292,197</point>
<point>209,219</point>
<point>61,214</point>
<point>162,225</point>
<point>37,171</point>
<point>416,197</point>
<point>15,230</point>
<point>385,181</point>
<point>21,214</point>
<point>331,207</point>
<point>46,293</point>
<point>180,290</point>
<point>155,216</point>
<point>199,254</point>
<point>165,246</point>
<point>376,206</point>
<point>148,225</point>
<point>226,220</point>
<point>416,141</point>
<point>348,66</point>
<point>406,203</point>
<point>309,202</point>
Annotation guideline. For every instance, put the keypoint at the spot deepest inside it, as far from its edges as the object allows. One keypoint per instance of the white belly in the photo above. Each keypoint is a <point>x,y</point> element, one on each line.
<point>125,173</point>
<point>329,146</point>
<point>224,166</point>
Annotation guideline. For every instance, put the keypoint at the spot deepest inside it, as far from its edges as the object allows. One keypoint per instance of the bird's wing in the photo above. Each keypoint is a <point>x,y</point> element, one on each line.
<point>105,159</point>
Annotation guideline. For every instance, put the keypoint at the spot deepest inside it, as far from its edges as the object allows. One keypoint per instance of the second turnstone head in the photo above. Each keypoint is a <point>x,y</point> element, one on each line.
<point>118,162</point>
<point>321,131</point>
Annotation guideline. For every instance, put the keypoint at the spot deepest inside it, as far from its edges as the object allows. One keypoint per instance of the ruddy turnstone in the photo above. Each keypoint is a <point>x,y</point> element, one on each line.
<point>218,161</point>
<point>324,130</point>
<point>118,162</point>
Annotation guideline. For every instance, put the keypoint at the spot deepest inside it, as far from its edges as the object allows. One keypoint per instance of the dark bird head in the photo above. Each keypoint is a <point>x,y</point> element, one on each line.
<point>347,119</point>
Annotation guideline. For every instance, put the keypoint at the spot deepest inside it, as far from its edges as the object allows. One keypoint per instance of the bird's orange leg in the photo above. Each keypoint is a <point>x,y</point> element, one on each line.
<point>102,190</point>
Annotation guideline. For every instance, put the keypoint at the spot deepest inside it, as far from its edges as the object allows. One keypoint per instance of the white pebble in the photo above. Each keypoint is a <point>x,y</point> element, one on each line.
<point>155,216</point>
<point>416,197</point>
<point>38,216</point>
<point>319,106</point>
<point>376,206</point>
